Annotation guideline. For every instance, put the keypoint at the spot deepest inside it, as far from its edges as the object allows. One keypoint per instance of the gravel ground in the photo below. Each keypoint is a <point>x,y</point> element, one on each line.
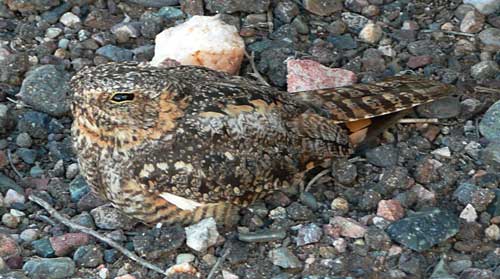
<point>423,203</point>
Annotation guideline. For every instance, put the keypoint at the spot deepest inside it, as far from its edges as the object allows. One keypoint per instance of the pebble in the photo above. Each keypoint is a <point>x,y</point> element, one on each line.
<point>444,108</point>
<point>469,213</point>
<point>202,235</point>
<point>340,206</point>
<point>70,20</point>
<point>299,212</point>
<point>29,235</point>
<point>56,268</point>
<point>490,37</point>
<point>306,75</point>
<point>323,7</point>
<point>78,188</point>
<point>109,218</point>
<point>484,69</point>
<point>344,172</point>
<point>8,246</point>
<point>442,152</point>
<point>286,11</point>
<point>476,273</point>
<point>262,236</point>
<point>309,200</point>
<point>28,156</point>
<point>24,140</point>
<point>424,229</point>
<point>390,210</point>
<point>229,275</point>
<point>11,197</point>
<point>371,33</point>
<point>53,32</point>
<point>472,22</point>
<point>116,54</point>
<point>348,227</point>
<point>159,242</point>
<point>184,258</point>
<point>492,232</point>
<point>457,267</point>
<point>308,234</point>
<point>43,248</point>
<point>46,89</point>
<point>88,256</point>
<point>440,271</point>
<point>72,171</point>
<point>10,220</point>
<point>419,61</point>
<point>66,243</point>
<point>383,155</point>
<point>284,258</point>
<point>340,244</point>
<point>232,6</point>
<point>354,22</point>
<point>485,7</point>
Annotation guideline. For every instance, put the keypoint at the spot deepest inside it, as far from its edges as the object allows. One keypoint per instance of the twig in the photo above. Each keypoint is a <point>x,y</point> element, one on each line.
<point>9,157</point>
<point>254,68</point>
<point>217,264</point>
<point>318,176</point>
<point>95,234</point>
<point>418,120</point>
<point>449,32</point>
<point>18,103</point>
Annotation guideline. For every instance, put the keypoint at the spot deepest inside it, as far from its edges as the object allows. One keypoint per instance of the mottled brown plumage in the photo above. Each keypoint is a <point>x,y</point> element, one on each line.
<point>184,143</point>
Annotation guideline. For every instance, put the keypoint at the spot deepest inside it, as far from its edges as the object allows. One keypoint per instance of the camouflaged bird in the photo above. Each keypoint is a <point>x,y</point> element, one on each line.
<point>184,143</point>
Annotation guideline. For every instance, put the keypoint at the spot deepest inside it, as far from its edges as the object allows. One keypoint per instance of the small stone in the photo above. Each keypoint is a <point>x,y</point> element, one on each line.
<point>232,6</point>
<point>340,205</point>
<point>447,107</point>
<point>410,25</point>
<point>43,248</point>
<point>192,7</point>
<point>419,61</point>
<point>308,234</point>
<point>306,75</point>
<point>323,7</point>
<point>472,22</point>
<point>286,11</point>
<point>344,172</point>
<point>46,89</point>
<point>355,22</point>
<point>10,220</point>
<point>8,246</point>
<point>12,197</point>
<point>377,239</point>
<point>309,200</point>
<point>184,258</point>
<point>115,53</point>
<point>282,257</point>
<point>484,70</point>
<point>88,256</point>
<point>299,212</point>
<point>202,235</point>
<point>78,188</point>
<point>476,273</point>
<point>72,171</point>
<point>56,268</point>
<point>27,155</point>
<point>424,229</point>
<point>159,242</point>
<point>53,32</point>
<point>23,140</point>
<point>442,152</point>
<point>390,209</point>
<point>110,218</point>
<point>485,7</point>
<point>29,235</point>
<point>371,33</point>
<point>348,227</point>
<point>440,271</point>
<point>340,244</point>
<point>66,243</point>
<point>492,232</point>
<point>383,156</point>
<point>70,19</point>
<point>490,37</point>
<point>457,267</point>
<point>469,213</point>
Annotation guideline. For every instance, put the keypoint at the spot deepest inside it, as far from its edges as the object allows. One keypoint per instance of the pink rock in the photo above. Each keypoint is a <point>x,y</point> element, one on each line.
<point>8,246</point>
<point>390,209</point>
<point>419,61</point>
<point>348,227</point>
<point>66,243</point>
<point>306,75</point>
<point>423,194</point>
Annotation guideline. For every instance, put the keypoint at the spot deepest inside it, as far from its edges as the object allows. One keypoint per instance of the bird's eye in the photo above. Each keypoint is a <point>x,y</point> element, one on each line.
<point>122,97</point>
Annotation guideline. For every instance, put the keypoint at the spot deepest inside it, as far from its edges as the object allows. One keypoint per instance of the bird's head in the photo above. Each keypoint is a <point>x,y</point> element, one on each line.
<point>125,102</point>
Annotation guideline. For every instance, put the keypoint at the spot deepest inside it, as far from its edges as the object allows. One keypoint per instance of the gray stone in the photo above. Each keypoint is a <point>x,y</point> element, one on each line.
<point>232,6</point>
<point>323,7</point>
<point>159,242</point>
<point>486,7</point>
<point>490,124</point>
<point>448,107</point>
<point>202,235</point>
<point>308,234</point>
<point>490,37</point>
<point>23,140</point>
<point>491,155</point>
<point>424,229</point>
<point>110,218</point>
<point>78,188</point>
<point>154,3</point>
<point>50,268</point>
<point>440,271</point>
<point>7,183</point>
<point>484,69</point>
<point>282,257</point>
<point>88,256</point>
<point>286,11</point>
<point>383,156</point>
<point>27,155</point>
<point>115,53</point>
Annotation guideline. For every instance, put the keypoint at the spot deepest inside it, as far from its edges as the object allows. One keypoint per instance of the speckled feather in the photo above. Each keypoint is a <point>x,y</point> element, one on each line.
<point>195,143</point>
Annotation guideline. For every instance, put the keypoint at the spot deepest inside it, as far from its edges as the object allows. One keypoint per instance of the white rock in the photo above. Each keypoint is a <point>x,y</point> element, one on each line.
<point>184,258</point>
<point>492,232</point>
<point>486,7</point>
<point>204,41</point>
<point>469,213</point>
<point>371,33</point>
<point>13,197</point>
<point>229,275</point>
<point>72,171</point>
<point>70,19</point>
<point>53,32</point>
<point>387,50</point>
<point>443,152</point>
<point>202,235</point>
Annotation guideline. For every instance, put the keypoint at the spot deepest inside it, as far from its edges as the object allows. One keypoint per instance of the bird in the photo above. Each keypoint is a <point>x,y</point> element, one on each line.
<point>184,143</point>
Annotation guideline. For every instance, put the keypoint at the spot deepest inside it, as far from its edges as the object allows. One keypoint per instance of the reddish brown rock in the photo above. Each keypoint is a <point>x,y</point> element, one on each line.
<point>8,247</point>
<point>390,210</point>
<point>306,75</point>
<point>66,243</point>
<point>419,61</point>
<point>348,227</point>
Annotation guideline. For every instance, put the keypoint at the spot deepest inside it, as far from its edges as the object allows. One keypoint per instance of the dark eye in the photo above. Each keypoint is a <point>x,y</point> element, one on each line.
<point>122,97</point>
